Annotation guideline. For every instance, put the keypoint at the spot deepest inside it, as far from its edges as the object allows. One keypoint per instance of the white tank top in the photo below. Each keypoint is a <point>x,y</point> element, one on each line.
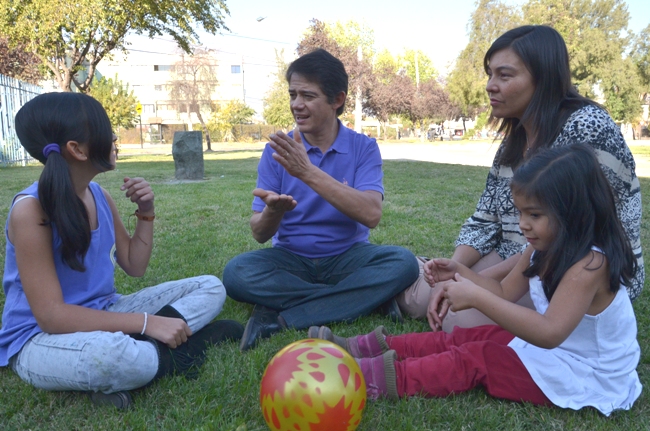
<point>595,366</point>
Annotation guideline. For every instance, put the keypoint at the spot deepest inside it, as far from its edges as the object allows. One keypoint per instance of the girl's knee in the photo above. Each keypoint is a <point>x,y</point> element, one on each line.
<point>115,361</point>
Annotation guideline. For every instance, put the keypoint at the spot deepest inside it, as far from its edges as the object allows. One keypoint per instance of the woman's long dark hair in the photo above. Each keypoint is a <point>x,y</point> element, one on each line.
<point>570,185</point>
<point>544,53</point>
<point>57,118</point>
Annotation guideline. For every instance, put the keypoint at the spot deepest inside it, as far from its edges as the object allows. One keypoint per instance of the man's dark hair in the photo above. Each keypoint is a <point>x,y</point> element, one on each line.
<point>324,69</point>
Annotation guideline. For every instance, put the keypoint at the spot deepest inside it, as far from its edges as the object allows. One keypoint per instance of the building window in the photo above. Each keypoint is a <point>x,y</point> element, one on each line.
<point>148,109</point>
<point>235,68</point>
<point>163,68</point>
<point>157,87</point>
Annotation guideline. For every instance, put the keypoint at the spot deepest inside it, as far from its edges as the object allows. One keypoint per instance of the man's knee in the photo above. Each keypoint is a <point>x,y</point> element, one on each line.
<point>241,275</point>
<point>405,262</point>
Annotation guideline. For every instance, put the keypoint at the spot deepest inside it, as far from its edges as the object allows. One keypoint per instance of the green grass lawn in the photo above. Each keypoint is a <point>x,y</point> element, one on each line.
<point>201,225</point>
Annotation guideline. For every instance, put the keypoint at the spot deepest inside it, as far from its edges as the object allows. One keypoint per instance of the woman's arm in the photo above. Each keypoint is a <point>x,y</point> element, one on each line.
<point>483,231</point>
<point>133,253</point>
<point>466,255</point>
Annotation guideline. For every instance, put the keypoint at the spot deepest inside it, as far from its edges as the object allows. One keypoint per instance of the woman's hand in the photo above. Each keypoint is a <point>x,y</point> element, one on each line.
<point>168,330</point>
<point>140,192</point>
<point>437,270</point>
<point>438,307</point>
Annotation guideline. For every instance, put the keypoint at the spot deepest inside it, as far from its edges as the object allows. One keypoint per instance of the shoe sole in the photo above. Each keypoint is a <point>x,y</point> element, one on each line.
<point>243,345</point>
<point>320,332</point>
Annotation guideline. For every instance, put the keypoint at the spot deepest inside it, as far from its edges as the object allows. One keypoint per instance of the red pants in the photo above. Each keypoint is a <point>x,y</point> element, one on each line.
<point>437,364</point>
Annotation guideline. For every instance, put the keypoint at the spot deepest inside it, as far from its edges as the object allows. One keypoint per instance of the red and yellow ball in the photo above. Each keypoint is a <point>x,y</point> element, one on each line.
<point>312,385</point>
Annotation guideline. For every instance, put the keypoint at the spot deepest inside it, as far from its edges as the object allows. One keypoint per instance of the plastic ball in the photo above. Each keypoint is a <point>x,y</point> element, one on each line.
<point>312,385</point>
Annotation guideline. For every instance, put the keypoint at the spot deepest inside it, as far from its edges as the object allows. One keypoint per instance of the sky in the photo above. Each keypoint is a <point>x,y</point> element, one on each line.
<point>436,27</point>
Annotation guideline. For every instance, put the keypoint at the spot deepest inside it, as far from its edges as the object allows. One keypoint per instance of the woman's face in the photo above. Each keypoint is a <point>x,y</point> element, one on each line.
<point>510,85</point>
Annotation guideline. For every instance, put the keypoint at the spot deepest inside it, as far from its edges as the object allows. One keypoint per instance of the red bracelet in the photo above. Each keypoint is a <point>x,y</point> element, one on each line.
<point>143,217</point>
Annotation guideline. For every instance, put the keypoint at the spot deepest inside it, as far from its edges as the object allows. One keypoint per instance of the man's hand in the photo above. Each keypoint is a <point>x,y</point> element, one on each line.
<point>291,153</point>
<point>275,203</point>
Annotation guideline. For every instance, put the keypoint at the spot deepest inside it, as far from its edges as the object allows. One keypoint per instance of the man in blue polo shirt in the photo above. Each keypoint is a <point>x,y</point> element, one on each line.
<point>319,192</point>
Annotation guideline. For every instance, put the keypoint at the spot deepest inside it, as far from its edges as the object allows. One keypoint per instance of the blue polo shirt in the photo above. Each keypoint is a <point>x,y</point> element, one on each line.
<point>315,228</point>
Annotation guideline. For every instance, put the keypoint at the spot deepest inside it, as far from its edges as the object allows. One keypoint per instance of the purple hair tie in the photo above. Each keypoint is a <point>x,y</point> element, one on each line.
<point>49,148</point>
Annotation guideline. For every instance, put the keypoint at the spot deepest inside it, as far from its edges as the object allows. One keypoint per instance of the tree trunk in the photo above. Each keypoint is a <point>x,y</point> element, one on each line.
<point>205,130</point>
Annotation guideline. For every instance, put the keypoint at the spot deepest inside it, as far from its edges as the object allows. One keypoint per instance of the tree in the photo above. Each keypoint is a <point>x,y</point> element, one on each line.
<point>641,56</point>
<point>227,116</point>
<point>390,92</point>
<point>466,83</point>
<point>70,36</point>
<point>430,104</point>
<point>194,80</point>
<point>320,35</point>
<point>596,35</point>
<point>276,101</point>
<point>621,88</point>
<point>417,66</point>
<point>18,63</point>
<point>118,101</point>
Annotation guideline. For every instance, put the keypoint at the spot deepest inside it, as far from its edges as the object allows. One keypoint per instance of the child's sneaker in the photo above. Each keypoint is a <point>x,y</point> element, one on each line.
<point>361,346</point>
<point>380,376</point>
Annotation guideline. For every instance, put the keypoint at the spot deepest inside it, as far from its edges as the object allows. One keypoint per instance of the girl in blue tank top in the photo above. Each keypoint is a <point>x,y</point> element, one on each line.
<point>577,349</point>
<point>64,326</point>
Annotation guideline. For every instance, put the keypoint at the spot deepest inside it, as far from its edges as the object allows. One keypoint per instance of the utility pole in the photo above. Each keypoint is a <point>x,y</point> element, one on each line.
<point>357,100</point>
<point>243,87</point>
<point>138,109</point>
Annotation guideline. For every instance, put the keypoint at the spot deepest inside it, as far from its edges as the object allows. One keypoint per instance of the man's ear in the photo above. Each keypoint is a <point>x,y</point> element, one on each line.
<point>339,99</point>
<point>77,151</point>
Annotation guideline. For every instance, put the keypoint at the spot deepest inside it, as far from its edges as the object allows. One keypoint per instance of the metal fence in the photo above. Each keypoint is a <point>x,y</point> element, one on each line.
<point>13,95</point>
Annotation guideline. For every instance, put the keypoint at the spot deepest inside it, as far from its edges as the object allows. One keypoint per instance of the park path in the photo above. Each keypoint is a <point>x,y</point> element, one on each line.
<point>472,153</point>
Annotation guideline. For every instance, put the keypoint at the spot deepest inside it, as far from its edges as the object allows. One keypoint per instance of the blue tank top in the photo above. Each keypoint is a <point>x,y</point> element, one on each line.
<point>93,288</point>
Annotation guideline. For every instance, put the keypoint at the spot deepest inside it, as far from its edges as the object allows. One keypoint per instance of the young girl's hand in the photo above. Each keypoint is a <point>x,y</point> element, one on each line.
<point>140,192</point>
<point>438,307</point>
<point>436,270</point>
<point>168,330</point>
<point>460,293</point>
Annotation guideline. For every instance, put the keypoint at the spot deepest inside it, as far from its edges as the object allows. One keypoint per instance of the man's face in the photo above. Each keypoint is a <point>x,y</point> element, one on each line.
<point>309,105</point>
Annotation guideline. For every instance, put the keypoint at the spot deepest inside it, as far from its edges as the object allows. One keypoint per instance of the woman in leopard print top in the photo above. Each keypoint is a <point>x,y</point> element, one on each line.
<point>495,224</point>
<point>532,96</point>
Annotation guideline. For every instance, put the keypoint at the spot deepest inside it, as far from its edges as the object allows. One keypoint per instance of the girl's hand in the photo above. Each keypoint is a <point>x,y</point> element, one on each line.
<point>168,330</point>
<point>438,307</point>
<point>139,191</point>
<point>437,270</point>
<point>460,293</point>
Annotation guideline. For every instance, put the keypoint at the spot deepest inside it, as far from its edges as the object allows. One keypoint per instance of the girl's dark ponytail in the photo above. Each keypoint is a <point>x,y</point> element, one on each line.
<point>64,210</point>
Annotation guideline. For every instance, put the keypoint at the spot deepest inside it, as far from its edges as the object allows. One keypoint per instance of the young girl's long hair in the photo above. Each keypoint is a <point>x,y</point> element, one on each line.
<point>544,53</point>
<point>57,118</point>
<point>570,185</point>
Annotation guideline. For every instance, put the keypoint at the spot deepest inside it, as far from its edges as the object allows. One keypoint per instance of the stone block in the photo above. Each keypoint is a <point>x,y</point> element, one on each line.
<point>187,150</point>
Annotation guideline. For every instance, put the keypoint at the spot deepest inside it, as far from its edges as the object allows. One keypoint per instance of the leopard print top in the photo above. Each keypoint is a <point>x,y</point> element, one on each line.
<point>495,224</point>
